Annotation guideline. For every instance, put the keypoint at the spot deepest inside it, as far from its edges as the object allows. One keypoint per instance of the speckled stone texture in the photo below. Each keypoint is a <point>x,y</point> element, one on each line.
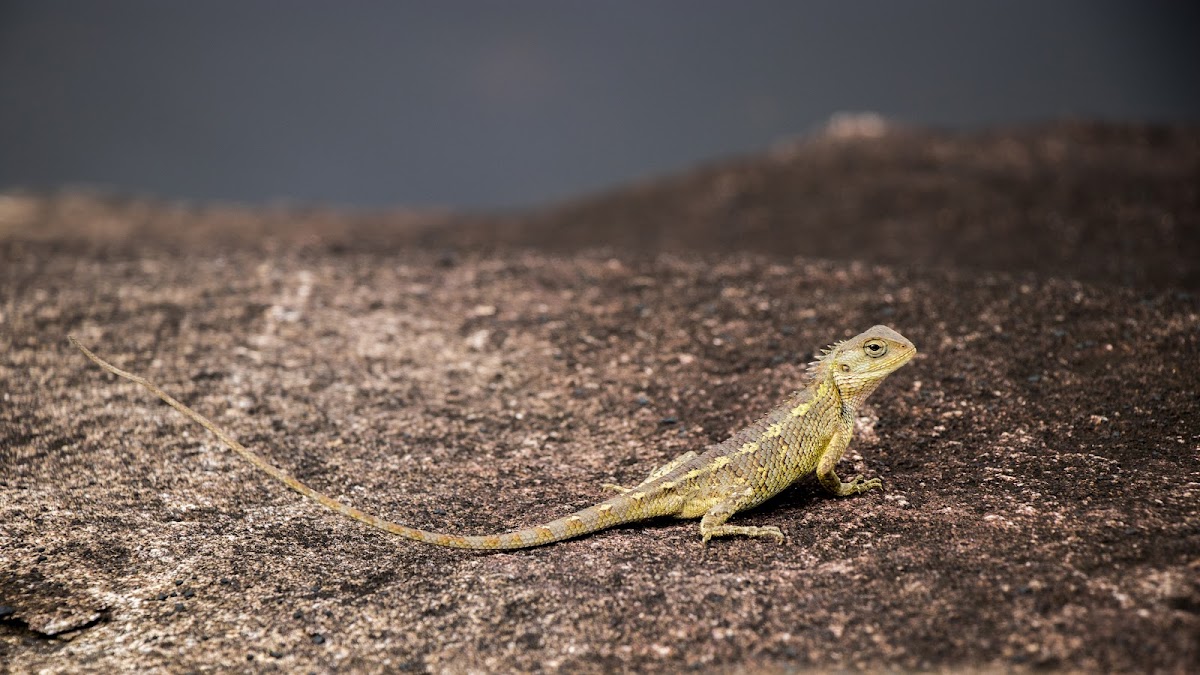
<point>1040,457</point>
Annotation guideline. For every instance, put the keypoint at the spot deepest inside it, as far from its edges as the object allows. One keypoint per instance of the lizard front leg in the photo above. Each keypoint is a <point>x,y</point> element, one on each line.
<point>713,522</point>
<point>829,478</point>
<point>655,474</point>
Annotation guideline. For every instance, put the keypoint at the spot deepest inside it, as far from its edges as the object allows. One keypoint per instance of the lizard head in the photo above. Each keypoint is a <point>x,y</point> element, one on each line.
<point>859,364</point>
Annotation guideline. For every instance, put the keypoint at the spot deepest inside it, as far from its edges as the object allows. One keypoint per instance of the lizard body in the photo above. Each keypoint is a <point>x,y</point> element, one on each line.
<point>805,435</point>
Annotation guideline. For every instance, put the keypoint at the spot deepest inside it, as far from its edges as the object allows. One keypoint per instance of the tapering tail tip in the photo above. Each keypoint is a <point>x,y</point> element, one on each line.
<point>79,345</point>
<point>86,352</point>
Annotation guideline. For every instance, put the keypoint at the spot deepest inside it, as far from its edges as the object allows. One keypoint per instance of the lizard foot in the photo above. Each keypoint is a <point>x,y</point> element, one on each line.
<point>858,485</point>
<point>615,488</point>
<point>745,531</point>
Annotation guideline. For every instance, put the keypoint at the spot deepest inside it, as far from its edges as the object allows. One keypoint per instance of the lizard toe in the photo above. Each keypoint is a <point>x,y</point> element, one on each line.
<point>771,531</point>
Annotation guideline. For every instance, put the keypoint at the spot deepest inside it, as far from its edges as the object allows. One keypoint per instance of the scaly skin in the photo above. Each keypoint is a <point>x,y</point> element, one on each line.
<point>807,434</point>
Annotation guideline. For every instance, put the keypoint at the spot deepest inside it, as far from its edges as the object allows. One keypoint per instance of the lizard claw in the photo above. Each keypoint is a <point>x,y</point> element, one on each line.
<point>861,485</point>
<point>769,531</point>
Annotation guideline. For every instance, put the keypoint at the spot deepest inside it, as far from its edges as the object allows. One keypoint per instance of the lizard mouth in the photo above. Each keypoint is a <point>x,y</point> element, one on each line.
<point>905,355</point>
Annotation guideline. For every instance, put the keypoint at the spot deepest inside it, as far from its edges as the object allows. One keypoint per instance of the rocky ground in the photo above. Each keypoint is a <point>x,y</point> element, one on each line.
<point>1040,457</point>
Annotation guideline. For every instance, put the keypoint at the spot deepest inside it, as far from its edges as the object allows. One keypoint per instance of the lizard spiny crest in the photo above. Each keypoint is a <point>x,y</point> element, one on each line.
<point>816,367</point>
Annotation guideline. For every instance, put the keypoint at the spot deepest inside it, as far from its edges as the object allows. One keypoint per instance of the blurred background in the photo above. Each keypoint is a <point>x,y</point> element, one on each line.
<point>485,104</point>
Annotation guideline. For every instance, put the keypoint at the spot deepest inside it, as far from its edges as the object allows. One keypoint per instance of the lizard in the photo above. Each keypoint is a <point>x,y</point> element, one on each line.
<point>806,435</point>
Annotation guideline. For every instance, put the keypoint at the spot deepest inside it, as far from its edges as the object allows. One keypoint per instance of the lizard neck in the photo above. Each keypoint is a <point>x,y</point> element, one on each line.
<point>853,396</point>
<point>820,400</point>
<point>827,390</point>
<point>832,402</point>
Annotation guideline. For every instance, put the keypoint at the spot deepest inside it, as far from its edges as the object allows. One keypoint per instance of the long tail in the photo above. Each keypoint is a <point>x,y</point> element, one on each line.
<point>602,515</point>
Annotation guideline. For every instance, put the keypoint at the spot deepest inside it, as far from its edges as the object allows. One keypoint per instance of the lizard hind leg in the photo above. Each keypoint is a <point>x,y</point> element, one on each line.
<point>713,522</point>
<point>655,474</point>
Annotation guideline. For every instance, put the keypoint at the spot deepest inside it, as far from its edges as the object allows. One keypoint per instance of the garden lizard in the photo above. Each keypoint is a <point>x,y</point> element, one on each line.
<point>805,435</point>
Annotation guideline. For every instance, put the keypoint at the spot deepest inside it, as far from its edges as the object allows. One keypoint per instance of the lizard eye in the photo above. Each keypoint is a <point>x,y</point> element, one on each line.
<point>875,348</point>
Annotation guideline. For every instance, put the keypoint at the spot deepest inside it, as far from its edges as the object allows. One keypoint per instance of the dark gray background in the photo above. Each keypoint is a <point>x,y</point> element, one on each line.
<point>485,104</point>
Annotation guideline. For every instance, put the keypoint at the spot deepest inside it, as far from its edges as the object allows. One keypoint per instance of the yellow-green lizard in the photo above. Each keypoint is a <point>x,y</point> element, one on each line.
<point>807,434</point>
